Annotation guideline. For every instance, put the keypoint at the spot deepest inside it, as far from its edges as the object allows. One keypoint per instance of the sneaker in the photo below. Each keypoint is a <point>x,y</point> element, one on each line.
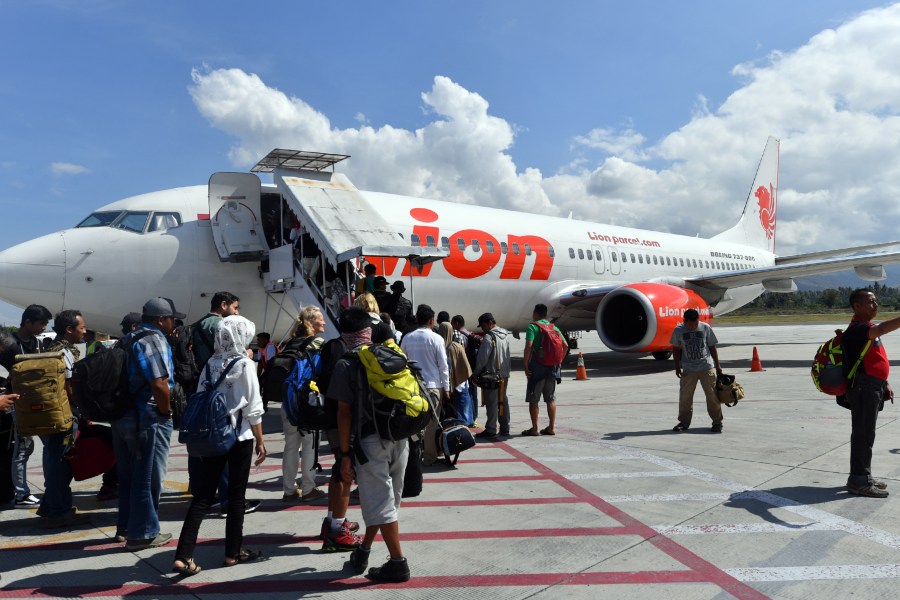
<point>121,537</point>
<point>161,539</point>
<point>351,526</point>
<point>393,571</point>
<point>716,428</point>
<point>249,507</point>
<point>340,541</point>
<point>486,435</point>
<point>291,497</point>
<point>315,494</point>
<point>108,492</point>
<point>869,491</point>
<point>680,427</point>
<point>359,560</point>
<point>66,520</point>
<point>28,500</point>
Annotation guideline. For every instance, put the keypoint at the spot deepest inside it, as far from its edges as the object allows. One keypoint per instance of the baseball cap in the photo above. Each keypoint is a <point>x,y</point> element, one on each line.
<point>130,320</point>
<point>486,318</point>
<point>161,307</point>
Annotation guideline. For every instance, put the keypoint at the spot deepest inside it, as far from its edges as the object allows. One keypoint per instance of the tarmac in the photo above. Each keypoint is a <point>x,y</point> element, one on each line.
<point>615,505</point>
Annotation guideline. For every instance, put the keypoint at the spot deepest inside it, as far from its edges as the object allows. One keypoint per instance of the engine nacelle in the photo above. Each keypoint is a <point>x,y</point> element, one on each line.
<point>640,317</point>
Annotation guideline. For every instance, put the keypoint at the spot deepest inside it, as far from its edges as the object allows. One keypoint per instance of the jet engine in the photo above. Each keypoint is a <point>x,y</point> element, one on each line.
<point>640,317</point>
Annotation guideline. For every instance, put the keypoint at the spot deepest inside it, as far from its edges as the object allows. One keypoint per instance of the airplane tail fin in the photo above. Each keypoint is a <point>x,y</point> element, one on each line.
<point>757,225</point>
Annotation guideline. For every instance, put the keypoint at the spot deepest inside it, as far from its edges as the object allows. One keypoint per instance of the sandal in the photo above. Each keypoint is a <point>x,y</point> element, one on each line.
<point>546,431</point>
<point>243,557</point>
<point>188,567</point>
<point>530,432</point>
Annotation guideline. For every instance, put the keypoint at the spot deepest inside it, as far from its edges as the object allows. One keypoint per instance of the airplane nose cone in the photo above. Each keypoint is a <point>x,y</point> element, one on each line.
<point>34,272</point>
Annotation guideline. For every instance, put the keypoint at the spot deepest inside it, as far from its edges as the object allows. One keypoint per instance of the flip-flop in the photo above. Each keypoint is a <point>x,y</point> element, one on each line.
<point>530,432</point>
<point>243,556</point>
<point>189,568</point>
<point>546,431</point>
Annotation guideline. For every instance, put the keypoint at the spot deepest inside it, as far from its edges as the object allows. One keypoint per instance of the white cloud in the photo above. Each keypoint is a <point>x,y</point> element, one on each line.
<point>63,168</point>
<point>834,103</point>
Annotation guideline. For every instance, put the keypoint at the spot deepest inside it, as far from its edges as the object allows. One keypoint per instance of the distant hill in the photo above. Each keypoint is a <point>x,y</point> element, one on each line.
<point>845,279</point>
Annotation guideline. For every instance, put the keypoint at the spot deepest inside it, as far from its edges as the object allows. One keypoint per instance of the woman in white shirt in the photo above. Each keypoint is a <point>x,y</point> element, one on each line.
<point>233,337</point>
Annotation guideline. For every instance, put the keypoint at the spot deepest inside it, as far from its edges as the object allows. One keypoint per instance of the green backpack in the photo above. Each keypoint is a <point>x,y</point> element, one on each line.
<point>43,406</point>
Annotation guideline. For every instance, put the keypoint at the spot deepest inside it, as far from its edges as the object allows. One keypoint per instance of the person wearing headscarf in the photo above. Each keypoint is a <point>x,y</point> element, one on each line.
<point>460,371</point>
<point>233,336</point>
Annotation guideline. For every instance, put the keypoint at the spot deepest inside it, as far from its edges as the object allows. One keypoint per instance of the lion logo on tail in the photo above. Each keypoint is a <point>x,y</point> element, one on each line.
<point>766,200</point>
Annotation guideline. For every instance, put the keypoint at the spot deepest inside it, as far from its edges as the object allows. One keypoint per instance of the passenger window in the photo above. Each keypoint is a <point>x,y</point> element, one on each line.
<point>527,249</point>
<point>599,255</point>
<point>694,260</point>
<point>647,256</point>
<point>414,239</point>
<point>161,221</point>
<point>489,246</point>
<point>571,252</point>
<point>551,252</point>
<point>640,259</point>
<point>503,249</point>
<point>515,248</point>
<point>475,246</point>
<point>681,262</point>
<point>668,261</point>
<point>624,258</point>
<point>461,244</point>
<point>133,221</point>
<point>429,240</point>
<point>445,243</point>
<point>632,259</point>
<point>100,219</point>
<point>654,260</point>
<point>614,258</point>
<point>580,253</point>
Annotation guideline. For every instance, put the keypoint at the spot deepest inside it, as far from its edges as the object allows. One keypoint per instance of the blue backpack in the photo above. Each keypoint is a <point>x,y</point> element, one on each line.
<point>206,427</point>
<point>303,403</point>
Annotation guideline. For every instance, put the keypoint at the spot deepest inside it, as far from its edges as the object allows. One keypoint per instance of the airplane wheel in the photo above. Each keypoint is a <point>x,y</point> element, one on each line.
<point>662,354</point>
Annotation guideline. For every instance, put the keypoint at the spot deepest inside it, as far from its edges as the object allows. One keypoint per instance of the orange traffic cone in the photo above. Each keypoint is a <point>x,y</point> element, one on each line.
<point>580,372</point>
<point>756,365</point>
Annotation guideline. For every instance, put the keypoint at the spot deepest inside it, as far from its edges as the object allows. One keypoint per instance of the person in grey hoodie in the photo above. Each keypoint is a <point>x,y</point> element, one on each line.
<point>493,359</point>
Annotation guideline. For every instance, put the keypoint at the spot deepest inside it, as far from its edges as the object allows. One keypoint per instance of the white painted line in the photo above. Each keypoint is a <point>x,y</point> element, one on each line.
<point>741,528</point>
<point>813,573</point>
<point>709,497</point>
<point>585,458</point>
<point>632,475</point>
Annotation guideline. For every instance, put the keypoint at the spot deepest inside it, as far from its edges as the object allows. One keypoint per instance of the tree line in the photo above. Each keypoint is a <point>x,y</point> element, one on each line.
<point>827,300</point>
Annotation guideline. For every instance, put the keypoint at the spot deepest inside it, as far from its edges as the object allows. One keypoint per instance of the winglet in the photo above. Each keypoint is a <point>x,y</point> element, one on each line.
<point>757,225</point>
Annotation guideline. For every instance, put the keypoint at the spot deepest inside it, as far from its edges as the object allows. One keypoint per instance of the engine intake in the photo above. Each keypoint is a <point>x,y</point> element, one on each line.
<point>640,317</point>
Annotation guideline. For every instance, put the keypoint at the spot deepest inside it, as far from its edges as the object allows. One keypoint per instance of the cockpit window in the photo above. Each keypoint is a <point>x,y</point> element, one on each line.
<point>161,221</point>
<point>133,221</point>
<point>100,219</point>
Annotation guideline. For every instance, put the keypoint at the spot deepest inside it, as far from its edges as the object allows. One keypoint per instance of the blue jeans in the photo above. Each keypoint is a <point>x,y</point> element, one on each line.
<point>57,500</point>
<point>462,406</point>
<point>23,448</point>
<point>141,443</point>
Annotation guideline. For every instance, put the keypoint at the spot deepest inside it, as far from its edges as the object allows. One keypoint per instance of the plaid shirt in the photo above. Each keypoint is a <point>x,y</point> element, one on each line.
<point>151,358</point>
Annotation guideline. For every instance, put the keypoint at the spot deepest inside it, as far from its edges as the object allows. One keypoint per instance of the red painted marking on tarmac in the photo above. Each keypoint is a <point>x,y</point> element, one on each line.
<point>705,570</point>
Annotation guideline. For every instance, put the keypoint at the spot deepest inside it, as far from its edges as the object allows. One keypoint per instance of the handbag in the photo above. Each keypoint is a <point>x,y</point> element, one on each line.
<point>728,390</point>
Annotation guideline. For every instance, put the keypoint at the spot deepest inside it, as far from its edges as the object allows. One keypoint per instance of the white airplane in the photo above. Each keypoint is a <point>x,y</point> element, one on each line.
<point>632,286</point>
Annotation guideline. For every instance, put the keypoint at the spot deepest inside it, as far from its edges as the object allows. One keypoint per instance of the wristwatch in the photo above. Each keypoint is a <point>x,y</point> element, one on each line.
<point>165,414</point>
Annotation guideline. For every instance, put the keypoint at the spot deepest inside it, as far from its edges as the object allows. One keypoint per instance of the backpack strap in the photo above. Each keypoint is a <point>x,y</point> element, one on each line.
<point>202,335</point>
<point>221,377</point>
<point>852,374</point>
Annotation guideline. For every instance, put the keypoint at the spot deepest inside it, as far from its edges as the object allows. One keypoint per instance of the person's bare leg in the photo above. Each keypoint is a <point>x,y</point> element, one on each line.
<point>535,411</point>
<point>551,413</point>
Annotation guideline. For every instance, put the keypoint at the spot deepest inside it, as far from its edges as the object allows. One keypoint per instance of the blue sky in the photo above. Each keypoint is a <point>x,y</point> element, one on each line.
<point>617,112</point>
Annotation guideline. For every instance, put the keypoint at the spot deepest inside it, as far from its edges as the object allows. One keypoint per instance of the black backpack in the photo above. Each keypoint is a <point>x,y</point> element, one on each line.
<point>187,371</point>
<point>100,381</point>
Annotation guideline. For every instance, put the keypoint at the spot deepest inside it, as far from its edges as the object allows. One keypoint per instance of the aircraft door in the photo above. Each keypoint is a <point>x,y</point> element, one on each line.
<point>599,266</point>
<point>235,216</point>
<point>612,259</point>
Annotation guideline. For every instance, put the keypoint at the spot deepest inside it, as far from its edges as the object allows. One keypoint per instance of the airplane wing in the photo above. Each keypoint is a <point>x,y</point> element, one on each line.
<point>869,267</point>
<point>579,300</point>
